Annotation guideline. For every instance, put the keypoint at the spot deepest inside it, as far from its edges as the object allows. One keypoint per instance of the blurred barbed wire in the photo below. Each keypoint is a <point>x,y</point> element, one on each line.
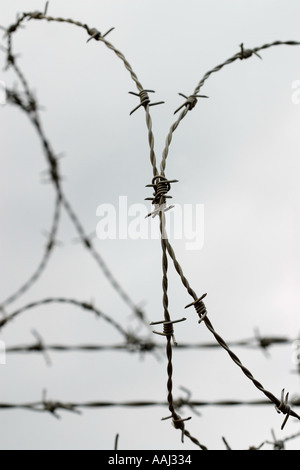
<point>26,101</point>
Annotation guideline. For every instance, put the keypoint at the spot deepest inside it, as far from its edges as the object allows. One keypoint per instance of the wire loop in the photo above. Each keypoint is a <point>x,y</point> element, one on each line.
<point>200,307</point>
<point>161,187</point>
<point>283,407</point>
<point>190,102</point>
<point>145,100</point>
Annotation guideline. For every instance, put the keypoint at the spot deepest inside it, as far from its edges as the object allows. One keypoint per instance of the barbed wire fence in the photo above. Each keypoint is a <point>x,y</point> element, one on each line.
<point>27,102</point>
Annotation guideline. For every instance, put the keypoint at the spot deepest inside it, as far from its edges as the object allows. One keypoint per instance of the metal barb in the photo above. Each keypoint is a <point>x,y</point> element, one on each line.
<point>49,405</point>
<point>95,34</point>
<point>159,208</point>
<point>262,342</point>
<point>116,442</point>
<point>226,443</point>
<point>52,406</point>
<point>37,15</point>
<point>46,8</point>
<point>283,407</point>
<point>145,100</point>
<point>190,102</point>
<point>200,307</point>
<point>40,346</point>
<point>179,424</point>
<point>168,329</point>
<point>246,53</point>
<point>161,187</point>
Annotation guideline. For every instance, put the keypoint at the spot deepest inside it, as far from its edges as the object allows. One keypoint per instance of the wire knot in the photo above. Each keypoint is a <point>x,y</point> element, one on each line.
<point>246,53</point>
<point>199,307</point>
<point>145,100</point>
<point>190,102</point>
<point>161,187</point>
<point>53,406</point>
<point>95,34</point>
<point>38,15</point>
<point>283,407</point>
<point>168,329</point>
<point>178,423</point>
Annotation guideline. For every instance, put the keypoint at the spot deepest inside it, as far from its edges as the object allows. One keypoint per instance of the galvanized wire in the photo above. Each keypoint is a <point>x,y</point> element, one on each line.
<point>29,105</point>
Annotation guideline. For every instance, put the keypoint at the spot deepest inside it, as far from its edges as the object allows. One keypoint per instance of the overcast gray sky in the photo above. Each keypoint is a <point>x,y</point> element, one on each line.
<point>236,154</point>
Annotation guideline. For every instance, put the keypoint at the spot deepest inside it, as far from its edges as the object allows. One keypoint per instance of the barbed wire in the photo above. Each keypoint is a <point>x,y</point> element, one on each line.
<point>83,305</point>
<point>192,100</point>
<point>276,443</point>
<point>146,345</point>
<point>30,107</point>
<point>27,102</point>
<point>145,102</point>
<point>53,406</point>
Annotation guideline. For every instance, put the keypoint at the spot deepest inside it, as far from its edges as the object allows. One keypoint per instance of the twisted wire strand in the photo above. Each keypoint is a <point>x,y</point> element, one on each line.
<point>276,43</point>
<point>62,300</point>
<point>206,76</point>
<point>219,339</point>
<point>167,318</point>
<point>33,116</point>
<point>151,141</point>
<point>50,406</point>
<point>179,270</point>
<point>178,422</point>
<point>164,267</point>
<point>239,56</point>
<point>38,406</point>
<point>109,45</point>
<point>169,140</point>
<point>149,346</point>
<point>142,346</point>
<point>77,224</point>
<point>177,266</point>
<point>133,75</point>
<point>246,371</point>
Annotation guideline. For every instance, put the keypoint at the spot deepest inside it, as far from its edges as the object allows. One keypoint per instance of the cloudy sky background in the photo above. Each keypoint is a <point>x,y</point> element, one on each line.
<point>236,153</point>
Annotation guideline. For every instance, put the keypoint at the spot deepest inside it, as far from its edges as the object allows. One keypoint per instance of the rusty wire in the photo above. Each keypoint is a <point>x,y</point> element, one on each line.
<point>29,105</point>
